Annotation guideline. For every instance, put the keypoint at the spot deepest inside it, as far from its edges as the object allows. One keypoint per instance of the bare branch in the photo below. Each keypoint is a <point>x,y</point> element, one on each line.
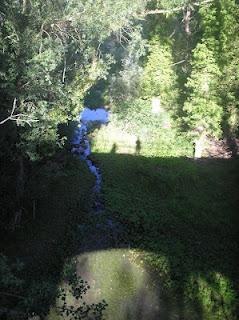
<point>64,72</point>
<point>163,11</point>
<point>177,9</point>
<point>19,117</point>
<point>197,4</point>
<point>179,62</point>
<point>12,112</point>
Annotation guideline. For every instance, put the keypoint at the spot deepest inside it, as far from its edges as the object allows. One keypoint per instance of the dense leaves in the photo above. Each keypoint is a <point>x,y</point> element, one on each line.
<point>51,56</point>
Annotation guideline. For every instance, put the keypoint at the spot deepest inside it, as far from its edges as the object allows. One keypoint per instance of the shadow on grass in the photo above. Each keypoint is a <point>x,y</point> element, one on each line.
<point>178,216</point>
<point>181,215</point>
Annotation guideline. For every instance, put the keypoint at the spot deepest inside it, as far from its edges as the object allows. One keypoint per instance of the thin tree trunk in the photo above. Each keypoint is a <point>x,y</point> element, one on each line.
<point>24,6</point>
<point>199,147</point>
<point>187,19</point>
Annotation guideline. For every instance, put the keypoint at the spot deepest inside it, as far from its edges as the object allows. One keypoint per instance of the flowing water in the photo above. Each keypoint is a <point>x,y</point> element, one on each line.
<point>81,145</point>
<point>105,232</point>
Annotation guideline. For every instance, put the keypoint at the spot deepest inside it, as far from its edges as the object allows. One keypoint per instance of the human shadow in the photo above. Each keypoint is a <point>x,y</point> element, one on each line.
<point>114,148</point>
<point>137,146</point>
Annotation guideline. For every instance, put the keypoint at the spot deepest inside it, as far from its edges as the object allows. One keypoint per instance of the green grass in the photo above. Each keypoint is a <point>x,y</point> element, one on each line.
<point>116,276</point>
<point>156,133</point>
<point>182,215</point>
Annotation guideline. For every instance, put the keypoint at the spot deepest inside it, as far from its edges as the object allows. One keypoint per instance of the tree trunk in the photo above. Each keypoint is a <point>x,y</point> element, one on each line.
<point>24,6</point>
<point>199,147</point>
<point>187,19</point>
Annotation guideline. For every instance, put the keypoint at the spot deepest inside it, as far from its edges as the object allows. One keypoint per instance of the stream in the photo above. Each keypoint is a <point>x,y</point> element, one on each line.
<point>105,232</point>
<point>81,144</point>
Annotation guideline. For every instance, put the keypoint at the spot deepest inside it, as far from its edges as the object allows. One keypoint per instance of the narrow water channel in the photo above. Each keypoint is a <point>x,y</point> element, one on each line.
<point>105,232</point>
<point>81,145</point>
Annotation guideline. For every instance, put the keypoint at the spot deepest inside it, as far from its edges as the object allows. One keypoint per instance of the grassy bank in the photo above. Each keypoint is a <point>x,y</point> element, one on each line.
<point>182,216</point>
<point>133,128</point>
<point>179,215</point>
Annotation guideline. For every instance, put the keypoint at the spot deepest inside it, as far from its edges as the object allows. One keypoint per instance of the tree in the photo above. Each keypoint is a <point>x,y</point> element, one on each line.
<point>212,102</point>
<point>203,109</point>
<point>124,81</point>
<point>159,76</point>
<point>228,59</point>
<point>51,54</point>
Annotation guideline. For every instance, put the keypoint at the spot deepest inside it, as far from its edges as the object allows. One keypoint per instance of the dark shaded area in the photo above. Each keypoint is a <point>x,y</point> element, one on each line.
<point>187,211</point>
<point>56,201</point>
<point>184,210</point>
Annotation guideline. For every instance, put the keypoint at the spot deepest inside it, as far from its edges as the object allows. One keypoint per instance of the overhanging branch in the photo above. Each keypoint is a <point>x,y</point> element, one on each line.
<point>177,9</point>
<point>163,11</point>
<point>19,117</point>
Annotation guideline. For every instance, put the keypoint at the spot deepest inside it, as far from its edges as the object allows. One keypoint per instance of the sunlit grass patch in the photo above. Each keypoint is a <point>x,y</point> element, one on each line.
<point>113,139</point>
<point>119,277</point>
<point>139,131</point>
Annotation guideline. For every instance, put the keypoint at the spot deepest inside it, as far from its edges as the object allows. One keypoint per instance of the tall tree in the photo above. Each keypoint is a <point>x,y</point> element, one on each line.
<point>159,76</point>
<point>214,68</point>
<point>51,54</point>
<point>203,109</point>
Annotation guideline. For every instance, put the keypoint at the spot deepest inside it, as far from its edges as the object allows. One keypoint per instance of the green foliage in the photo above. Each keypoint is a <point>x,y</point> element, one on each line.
<point>77,288</point>
<point>168,4</point>
<point>230,71</point>
<point>61,192</point>
<point>41,294</point>
<point>134,119</point>
<point>50,57</point>
<point>211,292</point>
<point>124,84</point>
<point>203,109</point>
<point>220,34</point>
<point>159,77</point>
<point>38,296</point>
